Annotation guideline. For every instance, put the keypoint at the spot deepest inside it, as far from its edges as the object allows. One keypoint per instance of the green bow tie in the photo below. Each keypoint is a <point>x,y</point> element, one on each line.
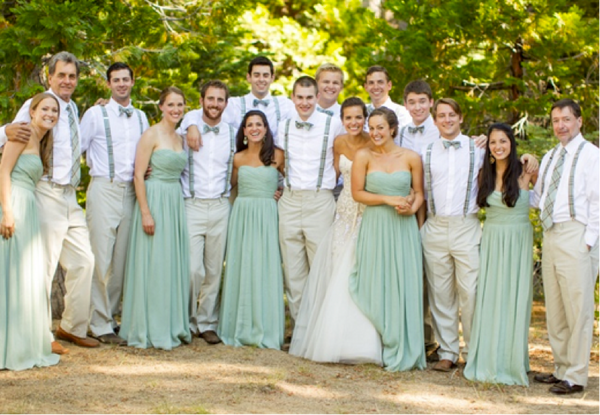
<point>324,111</point>
<point>306,125</point>
<point>419,129</point>
<point>448,144</point>
<point>208,129</point>
<point>263,102</point>
<point>127,111</point>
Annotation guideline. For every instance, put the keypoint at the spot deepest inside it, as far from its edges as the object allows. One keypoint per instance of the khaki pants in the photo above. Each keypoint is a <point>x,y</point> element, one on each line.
<point>109,210</point>
<point>451,252</point>
<point>568,271</point>
<point>305,216</point>
<point>67,241</point>
<point>207,227</point>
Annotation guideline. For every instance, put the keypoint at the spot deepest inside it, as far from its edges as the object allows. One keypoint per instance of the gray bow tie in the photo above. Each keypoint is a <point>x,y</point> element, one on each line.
<point>127,111</point>
<point>419,129</point>
<point>324,111</point>
<point>370,109</point>
<point>448,143</point>
<point>208,129</point>
<point>306,125</point>
<point>263,102</point>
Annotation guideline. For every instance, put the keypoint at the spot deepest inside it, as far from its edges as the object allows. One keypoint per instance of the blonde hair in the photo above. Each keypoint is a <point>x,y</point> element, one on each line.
<point>329,67</point>
<point>47,141</point>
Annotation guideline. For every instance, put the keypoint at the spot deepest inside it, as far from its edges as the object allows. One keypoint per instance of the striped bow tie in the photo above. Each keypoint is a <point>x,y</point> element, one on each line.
<point>306,125</point>
<point>127,111</point>
<point>414,130</point>
<point>263,102</point>
<point>208,129</point>
<point>448,144</point>
<point>324,111</point>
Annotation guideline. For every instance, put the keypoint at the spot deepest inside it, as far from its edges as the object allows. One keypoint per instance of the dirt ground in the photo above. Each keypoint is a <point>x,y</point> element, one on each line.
<point>220,379</point>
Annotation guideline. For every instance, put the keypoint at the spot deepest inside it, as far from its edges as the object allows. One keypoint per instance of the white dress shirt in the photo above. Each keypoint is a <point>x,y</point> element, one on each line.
<point>585,187</point>
<point>335,109</point>
<point>125,133</point>
<point>61,151</point>
<point>418,140</point>
<point>211,163</point>
<point>304,151</point>
<point>449,177</point>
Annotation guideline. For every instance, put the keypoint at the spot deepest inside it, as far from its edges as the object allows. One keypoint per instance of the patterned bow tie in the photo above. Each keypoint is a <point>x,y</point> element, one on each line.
<point>263,102</point>
<point>324,111</point>
<point>370,109</point>
<point>448,143</point>
<point>127,111</point>
<point>306,125</point>
<point>414,130</point>
<point>208,129</point>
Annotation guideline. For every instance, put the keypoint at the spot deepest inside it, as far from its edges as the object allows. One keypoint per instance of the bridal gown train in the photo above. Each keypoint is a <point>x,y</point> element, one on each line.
<point>330,327</point>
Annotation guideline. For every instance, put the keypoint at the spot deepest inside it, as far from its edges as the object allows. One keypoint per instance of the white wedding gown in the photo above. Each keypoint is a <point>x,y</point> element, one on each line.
<point>330,327</point>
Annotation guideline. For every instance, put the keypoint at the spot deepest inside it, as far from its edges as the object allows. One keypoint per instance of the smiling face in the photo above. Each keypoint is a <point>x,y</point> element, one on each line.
<point>120,84</point>
<point>305,100</point>
<point>418,105</point>
<point>330,85</point>
<point>64,80</point>
<point>45,114</point>
<point>565,124</point>
<point>260,79</point>
<point>379,130</point>
<point>353,119</point>
<point>499,144</point>
<point>448,121</point>
<point>172,107</point>
<point>255,129</point>
<point>378,87</point>
<point>214,103</point>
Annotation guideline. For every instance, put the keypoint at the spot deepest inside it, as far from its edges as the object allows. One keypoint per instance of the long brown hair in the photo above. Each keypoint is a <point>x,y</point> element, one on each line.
<point>47,141</point>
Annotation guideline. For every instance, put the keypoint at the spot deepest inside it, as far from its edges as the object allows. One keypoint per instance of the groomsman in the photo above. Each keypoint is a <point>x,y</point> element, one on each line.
<point>452,232</point>
<point>307,207</point>
<point>62,222</point>
<point>330,81</point>
<point>378,85</point>
<point>261,75</point>
<point>567,193</point>
<point>206,187</point>
<point>109,136</point>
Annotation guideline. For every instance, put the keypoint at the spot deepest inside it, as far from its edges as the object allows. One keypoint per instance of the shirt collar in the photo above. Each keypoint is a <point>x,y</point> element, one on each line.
<point>572,146</point>
<point>313,119</point>
<point>221,125</point>
<point>63,104</point>
<point>428,123</point>
<point>252,97</point>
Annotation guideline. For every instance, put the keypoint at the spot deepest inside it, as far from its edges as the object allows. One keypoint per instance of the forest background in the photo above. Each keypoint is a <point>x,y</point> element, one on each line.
<point>504,60</point>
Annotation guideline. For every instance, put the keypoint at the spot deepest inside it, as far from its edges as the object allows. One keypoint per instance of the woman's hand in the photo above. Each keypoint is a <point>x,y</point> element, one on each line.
<point>7,226</point>
<point>148,224</point>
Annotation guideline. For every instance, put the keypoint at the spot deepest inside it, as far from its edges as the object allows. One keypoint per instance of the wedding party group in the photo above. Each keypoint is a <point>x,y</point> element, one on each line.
<point>363,216</point>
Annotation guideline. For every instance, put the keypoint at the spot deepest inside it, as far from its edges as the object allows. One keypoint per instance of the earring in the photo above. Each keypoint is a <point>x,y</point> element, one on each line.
<point>492,159</point>
<point>245,140</point>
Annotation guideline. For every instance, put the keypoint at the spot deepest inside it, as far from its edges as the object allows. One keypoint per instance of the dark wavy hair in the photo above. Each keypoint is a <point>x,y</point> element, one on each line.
<point>390,117</point>
<point>510,180</point>
<point>267,152</point>
<point>354,102</point>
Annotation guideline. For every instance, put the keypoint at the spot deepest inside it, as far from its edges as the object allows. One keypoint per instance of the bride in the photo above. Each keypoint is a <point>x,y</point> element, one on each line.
<point>330,327</point>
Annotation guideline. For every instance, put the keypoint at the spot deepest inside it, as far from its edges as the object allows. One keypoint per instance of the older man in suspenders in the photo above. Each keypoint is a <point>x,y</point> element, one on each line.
<point>206,186</point>
<point>110,135</point>
<point>64,231</point>
<point>567,194</point>
<point>307,207</point>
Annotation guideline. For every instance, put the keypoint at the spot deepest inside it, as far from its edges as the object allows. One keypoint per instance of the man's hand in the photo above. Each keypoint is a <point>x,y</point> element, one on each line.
<point>148,172</point>
<point>278,193</point>
<point>480,140</point>
<point>194,139</point>
<point>530,163</point>
<point>102,101</point>
<point>18,131</point>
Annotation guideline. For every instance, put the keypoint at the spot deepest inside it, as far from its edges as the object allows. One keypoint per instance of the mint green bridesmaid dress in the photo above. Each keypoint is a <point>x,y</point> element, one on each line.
<point>25,338</point>
<point>157,278</point>
<point>252,310</point>
<point>387,281</point>
<point>499,352</point>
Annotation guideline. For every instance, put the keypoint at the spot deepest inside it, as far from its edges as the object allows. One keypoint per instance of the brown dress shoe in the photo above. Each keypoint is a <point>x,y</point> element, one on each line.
<point>111,338</point>
<point>58,348</point>
<point>546,378</point>
<point>444,365</point>
<point>564,388</point>
<point>79,341</point>
<point>210,337</point>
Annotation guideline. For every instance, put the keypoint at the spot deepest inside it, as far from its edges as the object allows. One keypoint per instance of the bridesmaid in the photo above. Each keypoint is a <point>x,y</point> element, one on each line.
<point>252,310</point>
<point>156,292</point>
<point>387,281</point>
<point>499,349</point>
<point>25,338</point>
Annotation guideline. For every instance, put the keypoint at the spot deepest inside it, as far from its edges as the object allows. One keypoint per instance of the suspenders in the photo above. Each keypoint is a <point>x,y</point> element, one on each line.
<point>51,162</point>
<point>571,176</point>
<point>109,143</point>
<point>469,184</point>
<point>401,136</point>
<point>286,139</point>
<point>275,102</point>
<point>229,165</point>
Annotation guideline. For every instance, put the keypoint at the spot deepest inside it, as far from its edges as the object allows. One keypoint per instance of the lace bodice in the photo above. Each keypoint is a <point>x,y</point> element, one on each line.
<point>348,212</point>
